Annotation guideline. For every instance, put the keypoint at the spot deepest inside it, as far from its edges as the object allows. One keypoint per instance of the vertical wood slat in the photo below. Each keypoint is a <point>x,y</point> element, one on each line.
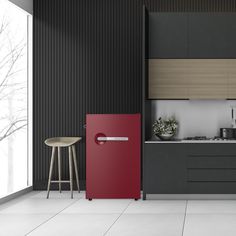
<point>87,59</point>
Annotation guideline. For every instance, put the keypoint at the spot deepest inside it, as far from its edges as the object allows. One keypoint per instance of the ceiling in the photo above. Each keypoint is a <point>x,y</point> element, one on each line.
<point>26,5</point>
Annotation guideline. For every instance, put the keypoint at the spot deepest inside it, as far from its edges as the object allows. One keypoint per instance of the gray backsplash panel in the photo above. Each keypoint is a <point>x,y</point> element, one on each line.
<point>195,117</point>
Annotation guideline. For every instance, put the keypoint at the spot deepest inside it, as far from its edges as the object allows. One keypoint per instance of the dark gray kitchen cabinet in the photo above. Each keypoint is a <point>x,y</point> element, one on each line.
<point>208,35</point>
<point>164,169</point>
<point>231,35</point>
<point>211,168</point>
<point>192,35</point>
<point>167,35</point>
<point>189,168</point>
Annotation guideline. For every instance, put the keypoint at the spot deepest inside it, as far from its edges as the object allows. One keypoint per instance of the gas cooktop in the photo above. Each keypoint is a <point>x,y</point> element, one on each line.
<point>196,138</point>
<point>202,138</point>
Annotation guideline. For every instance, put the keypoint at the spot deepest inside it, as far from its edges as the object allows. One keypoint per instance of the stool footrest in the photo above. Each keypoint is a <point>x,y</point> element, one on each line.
<point>62,181</point>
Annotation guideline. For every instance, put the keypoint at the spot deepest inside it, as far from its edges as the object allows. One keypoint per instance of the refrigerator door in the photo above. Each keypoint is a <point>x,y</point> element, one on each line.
<point>113,156</point>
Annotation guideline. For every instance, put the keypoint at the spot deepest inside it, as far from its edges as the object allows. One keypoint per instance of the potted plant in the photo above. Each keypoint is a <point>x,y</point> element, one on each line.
<point>165,129</point>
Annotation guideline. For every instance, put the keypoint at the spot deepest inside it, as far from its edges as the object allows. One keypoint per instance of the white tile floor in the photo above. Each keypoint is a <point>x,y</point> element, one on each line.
<point>33,214</point>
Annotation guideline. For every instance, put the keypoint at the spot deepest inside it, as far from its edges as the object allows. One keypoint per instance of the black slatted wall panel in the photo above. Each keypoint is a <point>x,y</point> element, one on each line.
<point>87,59</point>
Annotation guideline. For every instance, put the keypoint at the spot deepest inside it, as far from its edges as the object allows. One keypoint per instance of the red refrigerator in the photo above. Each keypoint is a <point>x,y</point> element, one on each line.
<point>113,156</point>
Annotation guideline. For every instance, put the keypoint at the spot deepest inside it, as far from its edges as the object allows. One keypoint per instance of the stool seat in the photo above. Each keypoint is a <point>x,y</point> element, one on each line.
<point>62,141</point>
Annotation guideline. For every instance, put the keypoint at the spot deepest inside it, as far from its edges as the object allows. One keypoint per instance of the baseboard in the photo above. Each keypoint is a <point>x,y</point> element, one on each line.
<point>16,195</point>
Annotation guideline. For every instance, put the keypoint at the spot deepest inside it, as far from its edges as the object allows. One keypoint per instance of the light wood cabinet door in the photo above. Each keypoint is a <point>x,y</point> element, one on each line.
<point>188,78</point>
<point>207,78</point>
<point>231,70</point>
<point>167,79</point>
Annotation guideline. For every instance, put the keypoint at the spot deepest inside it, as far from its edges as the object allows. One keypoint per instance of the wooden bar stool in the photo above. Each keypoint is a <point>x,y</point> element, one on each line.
<point>59,142</point>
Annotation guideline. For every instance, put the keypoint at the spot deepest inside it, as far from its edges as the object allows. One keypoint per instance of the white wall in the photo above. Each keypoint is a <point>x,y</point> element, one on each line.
<point>196,117</point>
<point>26,5</point>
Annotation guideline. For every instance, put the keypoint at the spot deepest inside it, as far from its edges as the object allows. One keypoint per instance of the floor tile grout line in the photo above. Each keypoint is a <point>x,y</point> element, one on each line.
<point>185,215</point>
<point>117,218</point>
<point>52,216</point>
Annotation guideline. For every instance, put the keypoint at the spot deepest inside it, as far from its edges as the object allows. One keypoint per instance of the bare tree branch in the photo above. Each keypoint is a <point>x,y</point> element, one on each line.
<point>8,87</point>
<point>13,128</point>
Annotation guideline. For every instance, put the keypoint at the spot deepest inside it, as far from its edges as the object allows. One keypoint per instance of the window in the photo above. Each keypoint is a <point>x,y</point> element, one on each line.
<point>15,98</point>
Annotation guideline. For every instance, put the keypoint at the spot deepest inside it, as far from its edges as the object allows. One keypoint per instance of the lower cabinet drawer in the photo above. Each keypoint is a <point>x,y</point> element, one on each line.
<point>211,187</point>
<point>211,175</point>
<point>211,161</point>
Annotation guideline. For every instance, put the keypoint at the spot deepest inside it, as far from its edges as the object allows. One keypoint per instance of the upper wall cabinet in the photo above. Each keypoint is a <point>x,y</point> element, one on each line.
<point>168,35</point>
<point>192,35</point>
<point>208,35</point>
<point>231,35</point>
<point>195,48</point>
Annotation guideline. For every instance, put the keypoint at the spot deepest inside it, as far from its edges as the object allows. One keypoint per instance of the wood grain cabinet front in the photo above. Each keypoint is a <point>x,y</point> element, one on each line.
<point>231,76</point>
<point>168,79</point>
<point>192,78</point>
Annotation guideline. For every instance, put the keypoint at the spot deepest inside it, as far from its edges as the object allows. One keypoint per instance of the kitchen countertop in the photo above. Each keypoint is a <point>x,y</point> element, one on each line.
<point>192,141</point>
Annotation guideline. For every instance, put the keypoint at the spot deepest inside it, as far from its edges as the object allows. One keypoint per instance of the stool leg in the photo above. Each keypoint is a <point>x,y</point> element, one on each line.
<point>71,172</point>
<point>76,169</point>
<point>50,171</point>
<point>59,167</point>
